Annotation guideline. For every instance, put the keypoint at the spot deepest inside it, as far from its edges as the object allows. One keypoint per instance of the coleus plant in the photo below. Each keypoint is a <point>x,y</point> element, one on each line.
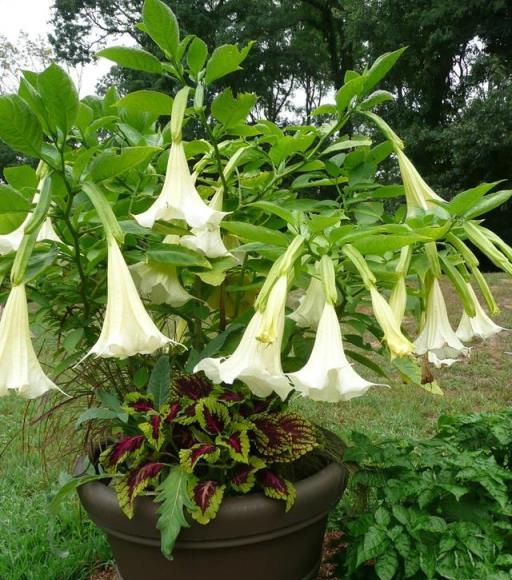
<point>173,224</point>
<point>214,441</point>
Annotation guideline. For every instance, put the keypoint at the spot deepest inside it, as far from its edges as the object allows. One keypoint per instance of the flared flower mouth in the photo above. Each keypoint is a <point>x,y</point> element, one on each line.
<point>479,326</point>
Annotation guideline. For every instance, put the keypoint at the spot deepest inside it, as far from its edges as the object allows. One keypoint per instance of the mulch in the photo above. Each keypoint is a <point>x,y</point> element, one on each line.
<point>333,544</point>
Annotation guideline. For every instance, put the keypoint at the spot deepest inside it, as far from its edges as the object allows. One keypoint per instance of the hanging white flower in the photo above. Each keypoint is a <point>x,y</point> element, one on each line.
<point>19,368</point>
<point>398,300</point>
<point>256,363</point>
<point>398,344</point>
<point>437,337</point>
<point>159,284</point>
<point>127,328</point>
<point>207,239</point>
<point>311,305</point>
<point>418,194</point>
<point>179,199</point>
<point>478,326</point>
<point>328,376</point>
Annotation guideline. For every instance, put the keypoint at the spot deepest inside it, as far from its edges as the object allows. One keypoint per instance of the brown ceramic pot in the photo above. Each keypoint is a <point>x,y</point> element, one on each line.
<point>252,538</point>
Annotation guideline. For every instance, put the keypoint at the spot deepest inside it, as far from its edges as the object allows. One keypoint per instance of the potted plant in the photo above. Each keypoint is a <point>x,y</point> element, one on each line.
<point>188,277</point>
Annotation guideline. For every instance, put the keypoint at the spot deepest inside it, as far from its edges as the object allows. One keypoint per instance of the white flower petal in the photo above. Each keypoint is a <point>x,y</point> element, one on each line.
<point>160,286</point>
<point>478,326</point>
<point>328,376</point>
<point>179,198</point>
<point>19,368</point>
<point>206,240</point>
<point>311,306</point>
<point>127,328</point>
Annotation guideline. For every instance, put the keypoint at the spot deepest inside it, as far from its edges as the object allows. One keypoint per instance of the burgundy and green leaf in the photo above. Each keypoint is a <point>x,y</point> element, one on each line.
<point>194,387</point>
<point>213,416</point>
<point>200,452</point>
<point>170,411</point>
<point>243,478</point>
<point>138,403</point>
<point>207,497</point>
<point>136,482</point>
<point>153,430</point>
<point>276,487</point>
<point>270,438</point>
<point>237,442</point>
<point>127,449</point>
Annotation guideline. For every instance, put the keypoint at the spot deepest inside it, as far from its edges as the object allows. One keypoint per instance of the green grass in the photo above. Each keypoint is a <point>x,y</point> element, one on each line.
<point>34,546</point>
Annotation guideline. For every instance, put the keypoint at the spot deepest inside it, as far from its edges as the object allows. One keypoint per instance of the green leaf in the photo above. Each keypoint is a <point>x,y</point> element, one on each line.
<point>148,102</point>
<point>275,209</point>
<point>251,232</point>
<point>110,164</point>
<point>60,98</point>
<point>95,413</point>
<point>197,55</point>
<point>379,244</point>
<point>386,565</point>
<point>231,111</point>
<point>175,255</point>
<point>376,98</point>
<point>13,209</point>
<point>134,58</point>
<point>488,203</point>
<point>21,177</point>
<point>347,92</point>
<point>224,60</point>
<point>19,126</point>
<point>374,544</point>
<point>161,24</point>
<point>173,498</point>
<point>381,67</point>
<point>346,144</point>
<point>467,199</point>
<point>71,486</point>
<point>159,386</point>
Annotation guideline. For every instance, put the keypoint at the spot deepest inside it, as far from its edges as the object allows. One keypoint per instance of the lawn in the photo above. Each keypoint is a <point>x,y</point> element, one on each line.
<point>34,546</point>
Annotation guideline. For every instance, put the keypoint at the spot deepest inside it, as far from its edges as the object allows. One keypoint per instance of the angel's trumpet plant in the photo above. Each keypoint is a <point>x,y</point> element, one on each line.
<point>398,298</point>
<point>179,199</point>
<point>478,326</point>
<point>20,369</point>
<point>437,337</point>
<point>328,376</point>
<point>160,284</point>
<point>311,305</point>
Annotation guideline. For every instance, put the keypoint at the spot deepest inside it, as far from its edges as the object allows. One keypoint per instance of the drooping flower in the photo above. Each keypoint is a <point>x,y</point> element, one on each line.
<point>256,363</point>
<point>207,239</point>
<point>418,194</point>
<point>397,343</point>
<point>159,284</point>
<point>179,199</point>
<point>19,368</point>
<point>478,326</point>
<point>437,337</point>
<point>270,329</point>
<point>328,376</point>
<point>127,328</point>
<point>311,305</point>
<point>398,300</point>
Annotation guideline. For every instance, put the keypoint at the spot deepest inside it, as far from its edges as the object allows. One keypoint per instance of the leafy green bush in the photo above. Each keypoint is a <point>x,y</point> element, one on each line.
<point>439,508</point>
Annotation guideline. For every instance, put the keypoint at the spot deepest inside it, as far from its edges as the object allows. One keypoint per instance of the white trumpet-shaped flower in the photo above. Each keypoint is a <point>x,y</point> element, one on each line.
<point>19,368</point>
<point>437,337</point>
<point>11,242</point>
<point>418,194</point>
<point>127,328</point>
<point>179,198</point>
<point>207,239</point>
<point>256,363</point>
<point>328,376</point>
<point>160,284</point>
<point>398,300</point>
<point>478,326</point>
<point>311,305</point>
<point>270,329</point>
<point>398,344</point>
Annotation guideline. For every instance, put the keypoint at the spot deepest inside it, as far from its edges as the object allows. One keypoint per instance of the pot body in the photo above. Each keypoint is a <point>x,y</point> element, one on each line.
<point>252,538</point>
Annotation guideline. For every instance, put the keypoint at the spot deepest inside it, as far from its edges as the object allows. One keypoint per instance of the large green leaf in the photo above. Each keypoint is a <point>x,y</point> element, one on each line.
<point>381,67</point>
<point>159,385</point>
<point>19,126</point>
<point>60,98</point>
<point>174,499</point>
<point>147,102</point>
<point>224,60</point>
<point>175,255</point>
<point>112,163</point>
<point>134,58</point>
<point>488,203</point>
<point>254,233</point>
<point>231,111</point>
<point>466,200</point>
<point>21,177</point>
<point>347,92</point>
<point>13,209</point>
<point>197,55</point>
<point>161,24</point>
